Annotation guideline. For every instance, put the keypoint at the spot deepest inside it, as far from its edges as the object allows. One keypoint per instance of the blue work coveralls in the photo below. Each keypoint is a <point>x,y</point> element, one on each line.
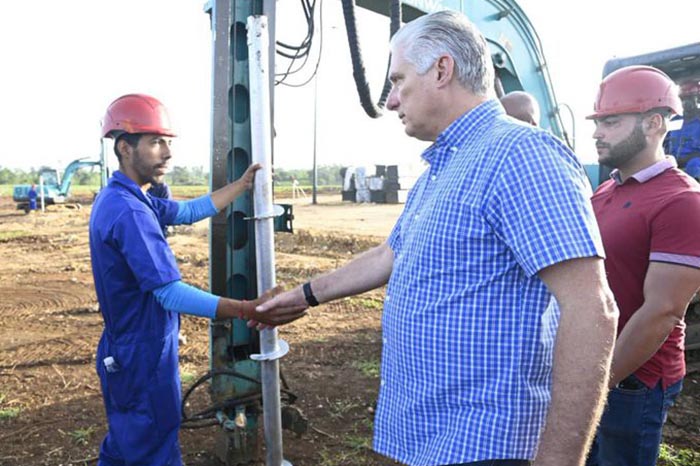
<point>684,143</point>
<point>137,357</point>
<point>32,195</point>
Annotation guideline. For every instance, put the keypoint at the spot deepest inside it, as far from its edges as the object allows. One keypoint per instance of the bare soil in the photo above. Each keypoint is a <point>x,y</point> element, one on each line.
<point>51,411</point>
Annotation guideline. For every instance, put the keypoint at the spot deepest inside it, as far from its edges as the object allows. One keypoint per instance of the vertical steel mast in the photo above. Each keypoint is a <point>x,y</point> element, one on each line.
<point>232,239</point>
<point>237,257</point>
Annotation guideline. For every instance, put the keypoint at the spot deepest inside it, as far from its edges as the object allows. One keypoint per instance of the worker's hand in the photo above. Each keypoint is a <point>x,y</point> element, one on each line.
<point>246,179</point>
<point>283,308</point>
<point>247,308</point>
<point>254,318</point>
<point>222,197</point>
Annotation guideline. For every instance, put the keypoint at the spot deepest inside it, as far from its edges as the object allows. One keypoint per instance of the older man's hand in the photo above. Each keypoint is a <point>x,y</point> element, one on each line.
<point>279,309</point>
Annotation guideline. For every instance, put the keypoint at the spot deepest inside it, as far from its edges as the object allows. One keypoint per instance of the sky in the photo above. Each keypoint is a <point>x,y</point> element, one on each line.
<point>64,62</point>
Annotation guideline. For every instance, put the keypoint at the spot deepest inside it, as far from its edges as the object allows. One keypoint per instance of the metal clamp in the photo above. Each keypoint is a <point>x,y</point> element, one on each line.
<point>277,210</point>
<point>282,349</point>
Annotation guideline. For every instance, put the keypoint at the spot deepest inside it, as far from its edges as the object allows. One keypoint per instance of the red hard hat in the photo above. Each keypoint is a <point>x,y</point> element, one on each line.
<point>136,113</point>
<point>636,89</point>
<point>690,88</point>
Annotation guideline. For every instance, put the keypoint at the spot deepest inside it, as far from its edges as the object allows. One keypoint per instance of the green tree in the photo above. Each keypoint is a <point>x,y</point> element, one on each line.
<point>187,176</point>
<point>328,175</point>
<point>86,177</point>
<point>7,176</point>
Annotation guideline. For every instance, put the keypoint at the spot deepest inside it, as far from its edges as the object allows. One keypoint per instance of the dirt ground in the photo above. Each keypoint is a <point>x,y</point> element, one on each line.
<point>50,405</point>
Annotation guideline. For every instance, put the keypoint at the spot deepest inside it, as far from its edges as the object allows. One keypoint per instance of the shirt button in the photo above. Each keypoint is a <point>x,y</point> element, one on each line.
<point>416,217</point>
<point>386,298</point>
<point>453,149</point>
<point>384,340</point>
<point>433,177</point>
<point>382,383</point>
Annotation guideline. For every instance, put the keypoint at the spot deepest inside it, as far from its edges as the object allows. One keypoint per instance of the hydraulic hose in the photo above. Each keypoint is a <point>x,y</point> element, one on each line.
<point>206,417</point>
<point>358,67</point>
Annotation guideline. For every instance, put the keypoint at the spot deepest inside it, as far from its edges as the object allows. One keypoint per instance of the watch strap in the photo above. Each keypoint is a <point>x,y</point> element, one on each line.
<point>309,295</point>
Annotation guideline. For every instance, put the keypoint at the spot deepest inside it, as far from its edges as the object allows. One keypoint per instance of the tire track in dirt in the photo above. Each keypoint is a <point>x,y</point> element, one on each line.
<point>25,300</point>
<point>57,347</point>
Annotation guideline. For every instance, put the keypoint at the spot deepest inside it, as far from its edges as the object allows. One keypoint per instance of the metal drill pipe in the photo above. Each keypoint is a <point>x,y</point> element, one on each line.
<point>261,139</point>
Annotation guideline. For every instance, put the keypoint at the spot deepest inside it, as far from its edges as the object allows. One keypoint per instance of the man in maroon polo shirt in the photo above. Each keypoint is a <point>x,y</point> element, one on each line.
<point>649,218</point>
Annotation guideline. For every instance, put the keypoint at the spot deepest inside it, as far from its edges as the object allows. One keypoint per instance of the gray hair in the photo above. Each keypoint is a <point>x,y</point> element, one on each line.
<point>425,39</point>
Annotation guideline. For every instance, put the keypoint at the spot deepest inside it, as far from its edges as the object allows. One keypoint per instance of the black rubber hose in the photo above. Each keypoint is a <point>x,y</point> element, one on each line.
<point>358,67</point>
<point>210,412</point>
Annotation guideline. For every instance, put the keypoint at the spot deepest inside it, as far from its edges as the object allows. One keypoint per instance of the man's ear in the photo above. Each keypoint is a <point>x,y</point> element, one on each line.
<point>124,148</point>
<point>653,123</point>
<point>445,66</point>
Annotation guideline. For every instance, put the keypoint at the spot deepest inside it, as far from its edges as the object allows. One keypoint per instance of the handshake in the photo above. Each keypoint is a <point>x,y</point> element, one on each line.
<point>273,308</point>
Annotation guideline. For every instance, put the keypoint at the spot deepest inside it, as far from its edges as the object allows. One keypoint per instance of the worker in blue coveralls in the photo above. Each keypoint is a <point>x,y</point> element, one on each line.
<point>32,195</point>
<point>692,168</point>
<point>139,287</point>
<point>161,190</point>
<point>684,143</point>
<point>498,323</point>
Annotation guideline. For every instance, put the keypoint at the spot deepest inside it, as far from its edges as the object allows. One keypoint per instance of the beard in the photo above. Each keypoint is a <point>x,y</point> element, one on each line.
<point>145,169</point>
<point>624,151</point>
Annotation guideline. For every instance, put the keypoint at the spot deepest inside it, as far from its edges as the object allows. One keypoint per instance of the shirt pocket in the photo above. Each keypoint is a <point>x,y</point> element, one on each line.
<point>450,234</point>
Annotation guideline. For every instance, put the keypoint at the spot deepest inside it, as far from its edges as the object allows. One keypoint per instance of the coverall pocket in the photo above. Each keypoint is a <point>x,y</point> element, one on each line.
<point>135,366</point>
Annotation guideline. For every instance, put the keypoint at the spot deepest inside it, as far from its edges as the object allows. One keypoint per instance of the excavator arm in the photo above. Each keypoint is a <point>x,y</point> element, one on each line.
<point>516,50</point>
<point>73,167</point>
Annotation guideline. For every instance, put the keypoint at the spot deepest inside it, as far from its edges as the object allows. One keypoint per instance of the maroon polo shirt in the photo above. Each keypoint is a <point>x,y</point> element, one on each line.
<point>653,216</point>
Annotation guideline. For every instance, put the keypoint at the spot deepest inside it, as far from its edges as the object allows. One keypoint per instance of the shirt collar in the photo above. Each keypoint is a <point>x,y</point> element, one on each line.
<point>120,178</point>
<point>645,174</point>
<point>458,131</point>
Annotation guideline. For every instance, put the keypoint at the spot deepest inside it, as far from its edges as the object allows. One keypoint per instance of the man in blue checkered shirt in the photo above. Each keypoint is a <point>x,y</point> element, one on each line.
<point>498,321</point>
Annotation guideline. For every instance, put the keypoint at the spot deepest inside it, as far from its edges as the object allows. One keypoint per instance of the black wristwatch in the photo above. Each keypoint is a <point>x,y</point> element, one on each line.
<point>309,295</point>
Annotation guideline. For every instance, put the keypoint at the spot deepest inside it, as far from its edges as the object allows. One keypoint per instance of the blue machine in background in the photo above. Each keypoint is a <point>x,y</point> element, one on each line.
<point>56,188</point>
<point>516,50</point>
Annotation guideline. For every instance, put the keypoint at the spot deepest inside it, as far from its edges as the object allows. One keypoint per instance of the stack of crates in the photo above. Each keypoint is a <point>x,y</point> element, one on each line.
<point>393,194</point>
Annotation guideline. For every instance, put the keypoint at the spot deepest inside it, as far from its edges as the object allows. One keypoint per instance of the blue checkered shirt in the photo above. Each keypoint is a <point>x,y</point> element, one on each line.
<point>469,328</point>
